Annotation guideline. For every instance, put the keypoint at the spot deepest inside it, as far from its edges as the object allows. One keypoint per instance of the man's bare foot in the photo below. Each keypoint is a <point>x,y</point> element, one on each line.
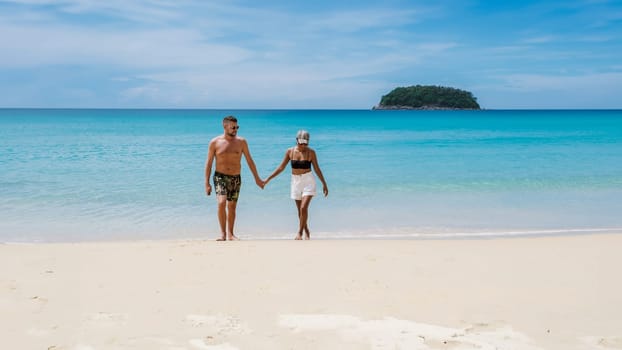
<point>222,238</point>
<point>233,237</point>
<point>307,237</point>
<point>298,237</point>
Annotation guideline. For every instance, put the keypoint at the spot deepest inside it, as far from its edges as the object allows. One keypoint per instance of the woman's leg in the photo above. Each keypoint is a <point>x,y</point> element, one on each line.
<point>303,216</point>
<point>298,205</point>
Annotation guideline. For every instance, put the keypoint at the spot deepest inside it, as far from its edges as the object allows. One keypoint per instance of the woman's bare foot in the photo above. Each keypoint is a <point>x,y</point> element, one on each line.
<point>233,237</point>
<point>298,237</point>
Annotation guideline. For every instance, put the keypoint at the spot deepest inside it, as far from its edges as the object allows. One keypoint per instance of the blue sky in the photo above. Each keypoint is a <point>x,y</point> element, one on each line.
<point>307,54</point>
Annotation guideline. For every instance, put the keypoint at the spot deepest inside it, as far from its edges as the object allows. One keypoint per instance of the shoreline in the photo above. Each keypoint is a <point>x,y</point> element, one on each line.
<point>373,235</point>
<point>524,293</point>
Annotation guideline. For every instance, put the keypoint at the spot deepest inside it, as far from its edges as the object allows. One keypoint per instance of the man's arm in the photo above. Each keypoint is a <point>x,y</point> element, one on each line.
<point>251,164</point>
<point>211,153</point>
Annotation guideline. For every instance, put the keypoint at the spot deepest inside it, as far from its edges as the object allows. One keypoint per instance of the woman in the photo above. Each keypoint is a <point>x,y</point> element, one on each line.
<point>303,187</point>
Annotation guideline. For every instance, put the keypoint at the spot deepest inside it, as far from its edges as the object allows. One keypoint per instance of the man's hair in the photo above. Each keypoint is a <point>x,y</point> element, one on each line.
<point>229,119</point>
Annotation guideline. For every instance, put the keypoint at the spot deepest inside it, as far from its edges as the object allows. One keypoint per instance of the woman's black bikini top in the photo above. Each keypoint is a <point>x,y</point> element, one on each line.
<point>300,164</point>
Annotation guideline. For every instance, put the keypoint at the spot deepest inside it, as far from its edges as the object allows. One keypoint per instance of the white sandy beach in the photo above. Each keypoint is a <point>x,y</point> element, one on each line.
<point>523,293</point>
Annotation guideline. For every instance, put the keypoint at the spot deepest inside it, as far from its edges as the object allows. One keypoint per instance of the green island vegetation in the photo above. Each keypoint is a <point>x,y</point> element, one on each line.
<point>428,97</point>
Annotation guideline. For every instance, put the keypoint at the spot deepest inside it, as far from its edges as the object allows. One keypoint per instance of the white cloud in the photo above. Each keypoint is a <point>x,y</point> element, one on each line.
<point>539,39</point>
<point>142,49</point>
<point>214,34</point>
<point>212,61</point>
<point>353,21</point>
<point>596,90</point>
<point>136,10</point>
<point>584,84</point>
<point>596,38</point>
<point>203,53</point>
<point>265,86</point>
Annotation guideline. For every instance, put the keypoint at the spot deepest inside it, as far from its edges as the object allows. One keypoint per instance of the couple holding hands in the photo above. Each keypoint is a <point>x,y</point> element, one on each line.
<point>227,150</point>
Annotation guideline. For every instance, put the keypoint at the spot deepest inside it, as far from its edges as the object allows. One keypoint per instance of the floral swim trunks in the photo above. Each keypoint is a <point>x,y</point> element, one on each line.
<point>227,185</point>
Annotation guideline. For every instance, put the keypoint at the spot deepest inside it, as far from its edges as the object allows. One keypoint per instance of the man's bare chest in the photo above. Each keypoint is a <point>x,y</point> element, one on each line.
<point>228,149</point>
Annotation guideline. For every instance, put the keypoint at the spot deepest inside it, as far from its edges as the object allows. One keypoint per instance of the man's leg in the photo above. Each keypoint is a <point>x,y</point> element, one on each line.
<point>231,205</point>
<point>222,216</point>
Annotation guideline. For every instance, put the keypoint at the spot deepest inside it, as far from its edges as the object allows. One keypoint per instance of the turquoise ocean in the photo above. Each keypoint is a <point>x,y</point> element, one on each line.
<point>99,175</point>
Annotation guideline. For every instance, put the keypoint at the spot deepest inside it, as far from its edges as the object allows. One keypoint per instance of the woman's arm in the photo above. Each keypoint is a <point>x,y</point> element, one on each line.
<point>318,171</point>
<point>280,168</point>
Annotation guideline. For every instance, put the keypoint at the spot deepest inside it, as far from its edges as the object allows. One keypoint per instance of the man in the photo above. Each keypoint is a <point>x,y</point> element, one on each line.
<point>228,149</point>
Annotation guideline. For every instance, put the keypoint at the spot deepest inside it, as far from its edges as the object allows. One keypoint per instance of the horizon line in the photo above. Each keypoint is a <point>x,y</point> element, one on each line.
<point>306,109</point>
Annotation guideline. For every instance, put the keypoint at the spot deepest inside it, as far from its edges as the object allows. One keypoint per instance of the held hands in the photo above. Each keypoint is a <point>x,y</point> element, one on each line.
<point>260,183</point>
<point>265,182</point>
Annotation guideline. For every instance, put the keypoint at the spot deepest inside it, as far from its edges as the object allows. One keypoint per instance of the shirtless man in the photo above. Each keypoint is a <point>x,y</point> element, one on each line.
<point>228,149</point>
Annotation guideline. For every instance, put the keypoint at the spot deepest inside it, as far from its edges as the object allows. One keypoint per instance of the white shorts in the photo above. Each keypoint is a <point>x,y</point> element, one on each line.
<point>303,185</point>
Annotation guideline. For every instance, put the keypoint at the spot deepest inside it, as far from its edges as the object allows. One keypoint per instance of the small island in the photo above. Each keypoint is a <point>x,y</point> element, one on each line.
<point>428,97</point>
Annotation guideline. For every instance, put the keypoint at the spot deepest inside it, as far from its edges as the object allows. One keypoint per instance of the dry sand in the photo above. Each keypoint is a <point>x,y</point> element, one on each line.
<point>523,293</point>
